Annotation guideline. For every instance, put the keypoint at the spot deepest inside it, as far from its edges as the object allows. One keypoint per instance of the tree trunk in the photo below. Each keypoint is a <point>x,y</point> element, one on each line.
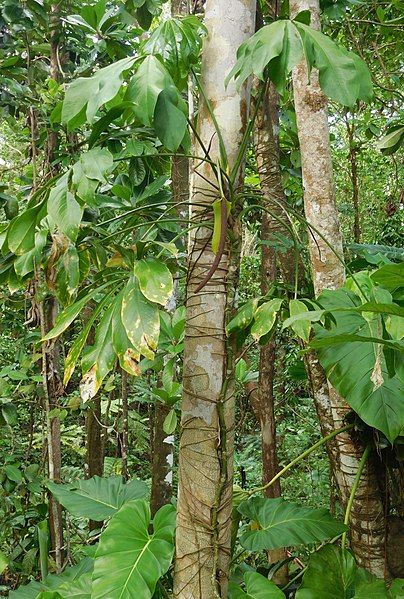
<point>266,143</point>
<point>53,389</point>
<point>94,465</point>
<point>353,160</point>
<point>125,423</point>
<point>162,460</point>
<point>367,517</point>
<point>203,537</point>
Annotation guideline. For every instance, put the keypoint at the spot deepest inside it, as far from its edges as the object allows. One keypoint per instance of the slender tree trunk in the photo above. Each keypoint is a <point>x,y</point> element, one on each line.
<point>125,424</point>
<point>203,537</point>
<point>163,444</point>
<point>367,516</point>
<point>52,384</point>
<point>53,389</point>
<point>353,160</point>
<point>266,142</point>
<point>162,460</point>
<point>94,465</point>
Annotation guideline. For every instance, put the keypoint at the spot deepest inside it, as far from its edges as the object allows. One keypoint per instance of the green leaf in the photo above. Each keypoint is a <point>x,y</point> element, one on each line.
<point>145,86</point>
<point>258,587</point>
<point>330,575</point>
<point>90,171</point>
<point>3,562</point>
<point>390,276</point>
<point>73,583</point>
<point>64,213</point>
<point>93,92</point>
<point>99,359</point>
<point>140,319</point>
<point>128,355</point>
<point>66,317</point>
<point>397,588</point>
<point>302,328</point>
<point>392,141</point>
<point>279,46</point>
<point>170,123</point>
<point>97,498</point>
<point>244,316</point>
<point>265,317</point>
<point>339,77</point>
<point>178,42</point>
<point>129,560</point>
<point>9,413</point>
<point>170,422</point>
<point>13,473</point>
<point>26,263</point>
<point>21,234</point>
<point>282,524</point>
<point>358,370</point>
<point>155,280</point>
<point>259,50</point>
<point>333,574</point>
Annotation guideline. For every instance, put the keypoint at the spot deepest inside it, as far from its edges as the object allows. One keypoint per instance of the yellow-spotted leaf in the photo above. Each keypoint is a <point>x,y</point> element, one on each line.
<point>140,319</point>
<point>155,280</point>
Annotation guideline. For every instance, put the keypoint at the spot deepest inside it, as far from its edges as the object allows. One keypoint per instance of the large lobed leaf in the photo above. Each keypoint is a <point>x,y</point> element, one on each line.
<point>357,369</point>
<point>87,94</point>
<point>73,583</point>
<point>280,46</point>
<point>257,587</point>
<point>333,574</point>
<point>282,524</point>
<point>97,498</point>
<point>130,560</point>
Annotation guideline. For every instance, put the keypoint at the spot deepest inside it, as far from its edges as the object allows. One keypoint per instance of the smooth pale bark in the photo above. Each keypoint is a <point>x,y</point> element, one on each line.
<point>367,517</point>
<point>204,510</point>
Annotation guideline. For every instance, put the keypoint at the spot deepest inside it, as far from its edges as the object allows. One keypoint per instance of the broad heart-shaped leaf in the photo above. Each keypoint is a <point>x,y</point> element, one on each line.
<point>97,498</point>
<point>333,574</point>
<point>64,212</point>
<point>282,524</point>
<point>93,92</point>
<point>257,587</point>
<point>170,123</point>
<point>140,319</point>
<point>73,583</point>
<point>145,86</point>
<point>155,280</point>
<point>330,575</point>
<point>358,371</point>
<point>130,560</point>
<point>99,359</point>
<point>265,317</point>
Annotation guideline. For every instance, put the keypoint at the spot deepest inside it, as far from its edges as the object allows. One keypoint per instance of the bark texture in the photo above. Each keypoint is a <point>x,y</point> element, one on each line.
<point>266,145</point>
<point>205,467</point>
<point>367,517</point>
<point>162,460</point>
